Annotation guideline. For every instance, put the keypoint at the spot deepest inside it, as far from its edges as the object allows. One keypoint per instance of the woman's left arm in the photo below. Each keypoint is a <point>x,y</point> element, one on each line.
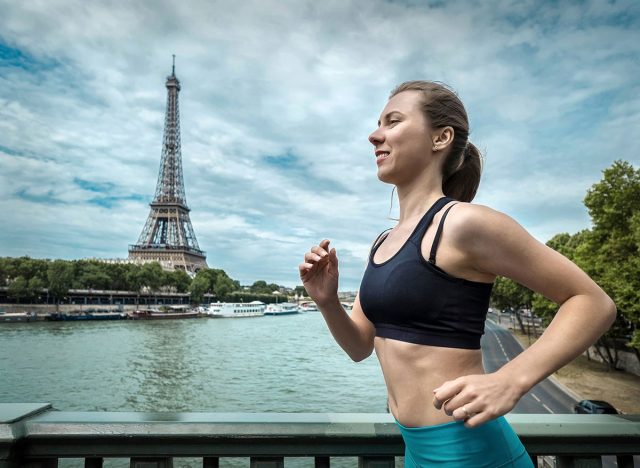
<point>497,244</point>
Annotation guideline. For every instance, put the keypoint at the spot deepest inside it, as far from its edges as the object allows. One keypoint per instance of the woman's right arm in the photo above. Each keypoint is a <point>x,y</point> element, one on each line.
<point>319,274</point>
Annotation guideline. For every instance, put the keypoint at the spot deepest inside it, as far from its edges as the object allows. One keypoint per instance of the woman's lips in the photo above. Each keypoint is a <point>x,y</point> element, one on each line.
<point>381,157</point>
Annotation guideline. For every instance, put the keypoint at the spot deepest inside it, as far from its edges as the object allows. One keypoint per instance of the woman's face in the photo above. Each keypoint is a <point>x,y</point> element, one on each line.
<point>402,142</point>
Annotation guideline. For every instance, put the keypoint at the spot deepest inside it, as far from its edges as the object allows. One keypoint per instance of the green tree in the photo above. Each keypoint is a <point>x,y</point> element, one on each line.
<point>18,289</point>
<point>179,280</point>
<point>151,275</point>
<point>5,265</point>
<point>133,280</point>
<point>92,275</point>
<point>212,281</point>
<point>36,285</point>
<point>507,294</point>
<point>60,278</point>
<point>117,273</point>
<point>28,268</point>
<point>208,279</point>
<point>510,295</point>
<point>610,254</point>
<point>11,268</point>
<point>223,284</point>
<point>260,287</point>
<point>198,288</point>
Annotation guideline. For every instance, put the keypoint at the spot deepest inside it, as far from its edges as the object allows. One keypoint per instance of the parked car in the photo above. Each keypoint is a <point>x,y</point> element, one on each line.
<point>594,407</point>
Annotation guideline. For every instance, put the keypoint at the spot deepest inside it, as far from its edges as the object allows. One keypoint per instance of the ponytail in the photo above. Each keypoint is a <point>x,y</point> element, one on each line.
<point>461,174</point>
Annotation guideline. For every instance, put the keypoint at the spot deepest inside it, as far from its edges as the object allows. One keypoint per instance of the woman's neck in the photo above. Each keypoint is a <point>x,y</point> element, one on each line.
<point>416,198</point>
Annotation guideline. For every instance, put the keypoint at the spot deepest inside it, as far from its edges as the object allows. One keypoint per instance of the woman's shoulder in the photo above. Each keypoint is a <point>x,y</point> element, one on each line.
<point>468,222</point>
<point>474,212</point>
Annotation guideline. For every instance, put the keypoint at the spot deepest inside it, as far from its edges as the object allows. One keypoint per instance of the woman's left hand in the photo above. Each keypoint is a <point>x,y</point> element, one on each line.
<point>476,399</point>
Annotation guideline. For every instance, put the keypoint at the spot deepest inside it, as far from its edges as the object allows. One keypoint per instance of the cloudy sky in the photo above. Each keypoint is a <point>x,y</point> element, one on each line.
<point>277,101</point>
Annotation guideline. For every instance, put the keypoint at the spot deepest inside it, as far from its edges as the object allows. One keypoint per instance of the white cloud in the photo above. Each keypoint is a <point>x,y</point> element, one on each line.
<point>551,93</point>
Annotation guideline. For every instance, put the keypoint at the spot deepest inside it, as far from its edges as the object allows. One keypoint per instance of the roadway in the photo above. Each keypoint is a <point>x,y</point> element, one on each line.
<point>499,346</point>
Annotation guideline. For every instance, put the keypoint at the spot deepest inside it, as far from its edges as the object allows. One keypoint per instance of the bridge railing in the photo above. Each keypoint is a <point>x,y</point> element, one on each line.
<point>37,436</point>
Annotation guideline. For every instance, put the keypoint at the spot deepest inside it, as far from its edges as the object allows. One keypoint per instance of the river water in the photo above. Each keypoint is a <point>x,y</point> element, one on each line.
<point>256,364</point>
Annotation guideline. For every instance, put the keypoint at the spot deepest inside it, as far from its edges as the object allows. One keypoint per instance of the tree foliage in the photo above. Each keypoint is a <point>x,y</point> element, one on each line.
<point>212,281</point>
<point>611,251</point>
<point>261,287</point>
<point>26,278</point>
<point>507,294</point>
<point>151,276</point>
<point>609,254</point>
<point>198,288</point>
<point>179,280</point>
<point>18,289</point>
<point>60,276</point>
<point>87,274</point>
<point>22,290</point>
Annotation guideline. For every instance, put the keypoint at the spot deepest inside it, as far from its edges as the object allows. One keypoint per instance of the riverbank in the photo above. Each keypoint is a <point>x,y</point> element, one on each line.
<point>42,310</point>
<point>592,380</point>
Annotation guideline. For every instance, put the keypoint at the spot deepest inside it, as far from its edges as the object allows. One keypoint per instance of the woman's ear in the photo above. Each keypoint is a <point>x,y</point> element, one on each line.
<point>442,138</point>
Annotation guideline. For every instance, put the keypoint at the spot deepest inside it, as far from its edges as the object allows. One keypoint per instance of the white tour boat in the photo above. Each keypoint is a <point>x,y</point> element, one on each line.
<point>235,309</point>
<point>308,306</point>
<point>284,308</point>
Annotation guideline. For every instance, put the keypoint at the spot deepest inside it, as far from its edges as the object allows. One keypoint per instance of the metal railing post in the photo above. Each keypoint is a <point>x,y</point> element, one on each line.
<point>210,462</point>
<point>93,462</point>
<point>625,461</point>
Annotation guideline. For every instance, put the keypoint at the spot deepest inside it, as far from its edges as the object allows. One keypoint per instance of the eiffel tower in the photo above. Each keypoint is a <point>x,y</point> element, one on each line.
<point>167,236</point>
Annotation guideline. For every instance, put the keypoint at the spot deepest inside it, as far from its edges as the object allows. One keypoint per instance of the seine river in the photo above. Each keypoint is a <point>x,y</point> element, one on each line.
<point>255,364</point>
<point>259,364</point>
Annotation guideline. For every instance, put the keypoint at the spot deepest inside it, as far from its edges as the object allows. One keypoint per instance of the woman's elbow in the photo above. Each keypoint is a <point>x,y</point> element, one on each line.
<point>362,343</point>
<point>362,353</point>
<point>605,307</point>
<point>610,310</point>
<point>361,356</point>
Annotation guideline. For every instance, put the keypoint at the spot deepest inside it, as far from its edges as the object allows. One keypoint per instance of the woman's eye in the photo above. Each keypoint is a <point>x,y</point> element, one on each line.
<point>393,122</point>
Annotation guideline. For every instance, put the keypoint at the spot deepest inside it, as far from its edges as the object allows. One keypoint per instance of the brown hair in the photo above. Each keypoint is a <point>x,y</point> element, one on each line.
<point>463,165</point>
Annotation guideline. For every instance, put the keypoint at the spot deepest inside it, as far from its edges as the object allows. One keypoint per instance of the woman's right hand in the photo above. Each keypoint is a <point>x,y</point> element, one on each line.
<point>319,273</point>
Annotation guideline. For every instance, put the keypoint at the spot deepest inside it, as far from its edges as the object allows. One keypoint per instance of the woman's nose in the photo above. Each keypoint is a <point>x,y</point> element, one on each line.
<point>376,137</point>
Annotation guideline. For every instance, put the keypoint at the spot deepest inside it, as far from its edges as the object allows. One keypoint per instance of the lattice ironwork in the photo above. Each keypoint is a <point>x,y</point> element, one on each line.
<point>168,235</point>
<point>170,186</point>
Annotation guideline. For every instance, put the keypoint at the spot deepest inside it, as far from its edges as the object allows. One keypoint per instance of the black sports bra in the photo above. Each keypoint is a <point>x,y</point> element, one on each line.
<point>408,298</point>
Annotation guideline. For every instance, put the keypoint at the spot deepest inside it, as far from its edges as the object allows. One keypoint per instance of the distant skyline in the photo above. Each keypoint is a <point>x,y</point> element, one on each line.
<point>277,102</point>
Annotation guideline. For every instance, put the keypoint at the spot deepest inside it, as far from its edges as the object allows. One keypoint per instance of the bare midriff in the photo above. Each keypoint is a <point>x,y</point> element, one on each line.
<point>411,373</point>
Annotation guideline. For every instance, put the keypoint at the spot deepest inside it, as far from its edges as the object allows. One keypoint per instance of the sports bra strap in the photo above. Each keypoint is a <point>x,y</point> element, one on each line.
<point>379,239</point>
<point>436,239</point>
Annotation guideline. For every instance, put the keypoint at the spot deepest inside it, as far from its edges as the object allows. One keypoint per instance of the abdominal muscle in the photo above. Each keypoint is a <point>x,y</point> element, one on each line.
<point>411,373</point>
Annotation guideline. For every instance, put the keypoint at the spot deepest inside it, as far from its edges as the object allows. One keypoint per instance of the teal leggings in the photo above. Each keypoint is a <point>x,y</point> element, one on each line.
<point>491,445</point>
